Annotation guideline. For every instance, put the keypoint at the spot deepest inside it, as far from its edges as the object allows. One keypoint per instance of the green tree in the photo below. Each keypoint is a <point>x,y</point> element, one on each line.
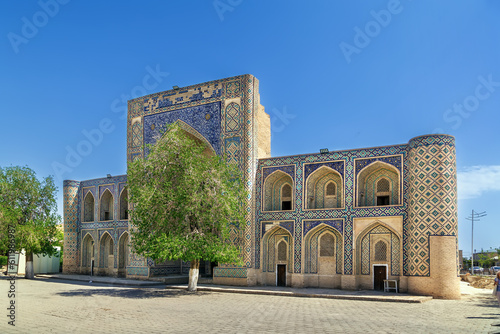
<point>27,213</point>
<point>185,202</point>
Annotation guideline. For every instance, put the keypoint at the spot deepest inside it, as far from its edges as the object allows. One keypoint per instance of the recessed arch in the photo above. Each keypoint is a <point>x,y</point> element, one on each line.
<point>106,206</point>
<point>369,250</point>
<point>378,184</point>
<point>88,207</point>
<point>324,189</point>
<point>326,244</point>
<point>106,248</point>
<point>123,253</point>
<point>278,192</point>
<point>330,254</point>
<point>270,242</point>
<point>123,209</point>
<point>198,137</point>
<point>88,251</point>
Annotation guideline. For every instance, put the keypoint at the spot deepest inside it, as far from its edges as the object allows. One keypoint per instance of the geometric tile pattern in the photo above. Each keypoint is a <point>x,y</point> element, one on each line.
<point>136,134</point>
<point>335,165</point>
<point>424,191</point>
<point>205,119</point>
<point>232,117</point>
<point>394,161</point>
<point>71,258</point>
<point>233,154</point>
<point>298,164</point>
<point>432,197</point>
<point>230,272</point>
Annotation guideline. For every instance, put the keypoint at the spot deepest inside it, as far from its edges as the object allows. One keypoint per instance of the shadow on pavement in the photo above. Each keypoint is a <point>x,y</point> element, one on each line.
<point>133,293</point>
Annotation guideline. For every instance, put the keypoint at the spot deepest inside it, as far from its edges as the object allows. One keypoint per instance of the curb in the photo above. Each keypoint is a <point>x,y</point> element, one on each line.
<point>396,299</point>
<point>95,279</point>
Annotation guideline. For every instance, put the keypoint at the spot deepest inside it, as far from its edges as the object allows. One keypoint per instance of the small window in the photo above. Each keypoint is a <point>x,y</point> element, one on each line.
<point>286,191</point>
<point>383,200</point>
<point>282,251</point>
<point>330,189</point>
<point>327,245</point>
<point>380,251</point>
<point>383,186</point>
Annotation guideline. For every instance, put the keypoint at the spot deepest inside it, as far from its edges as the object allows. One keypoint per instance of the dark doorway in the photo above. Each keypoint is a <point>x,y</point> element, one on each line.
<point>281,275</point>
<point>382,200</point>
<point>379,275</point>
<point>286,205</point>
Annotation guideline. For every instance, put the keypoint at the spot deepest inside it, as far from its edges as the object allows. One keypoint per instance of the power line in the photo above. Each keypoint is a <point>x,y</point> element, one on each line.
<point>474,217</point>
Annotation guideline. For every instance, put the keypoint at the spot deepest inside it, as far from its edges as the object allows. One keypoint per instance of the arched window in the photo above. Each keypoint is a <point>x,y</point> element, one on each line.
<point>380,251</point>
<point>286,197</point>
<point>88,208</point>
<point>330,189</point>
<point>282,252</point>
<point>383,192</point>
<point>107,206</point>
<point>124,204</point>
<point>327,245</point>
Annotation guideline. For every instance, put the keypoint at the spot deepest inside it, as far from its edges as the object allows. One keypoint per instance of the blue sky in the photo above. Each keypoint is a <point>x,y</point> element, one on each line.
<point>348,74</point>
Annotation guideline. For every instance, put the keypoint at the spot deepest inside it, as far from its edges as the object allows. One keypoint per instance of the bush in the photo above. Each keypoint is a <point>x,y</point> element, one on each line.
<point>3,260</point>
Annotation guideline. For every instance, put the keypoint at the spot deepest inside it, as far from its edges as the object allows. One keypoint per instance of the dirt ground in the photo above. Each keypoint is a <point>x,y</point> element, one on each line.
<point>480,282</point>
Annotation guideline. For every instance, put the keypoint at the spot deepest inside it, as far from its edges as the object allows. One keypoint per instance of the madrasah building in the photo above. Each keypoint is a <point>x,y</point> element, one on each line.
<point>345,219</point>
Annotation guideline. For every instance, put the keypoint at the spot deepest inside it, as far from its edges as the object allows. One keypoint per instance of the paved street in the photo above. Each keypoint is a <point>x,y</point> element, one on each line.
<point>59,306</point>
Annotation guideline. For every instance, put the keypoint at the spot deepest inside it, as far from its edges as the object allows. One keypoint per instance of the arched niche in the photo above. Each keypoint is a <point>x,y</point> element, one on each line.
<point>378,184</point>
<point>323,250</point>
<point>278,192</point>
<point>273,242</point>
<point>87,250</point>
<point>378,244</point>
<point>106,248</point>
<point>324,189</point>
<point>106,206</point>
<point>123,253</point>
<point>88,207</point>
<point>124,204</point>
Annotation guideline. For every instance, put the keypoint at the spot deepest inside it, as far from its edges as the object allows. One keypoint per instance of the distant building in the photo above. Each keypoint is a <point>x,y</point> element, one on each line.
<point>345,219</point>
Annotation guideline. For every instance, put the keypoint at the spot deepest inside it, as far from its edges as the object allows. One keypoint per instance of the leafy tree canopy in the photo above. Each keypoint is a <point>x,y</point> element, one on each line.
<point>185,201</point>
<point>27,207</point>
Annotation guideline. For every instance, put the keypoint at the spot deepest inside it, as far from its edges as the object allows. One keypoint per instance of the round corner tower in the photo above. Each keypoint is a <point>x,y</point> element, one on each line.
<point>432,217</point>
<point>71,220</point>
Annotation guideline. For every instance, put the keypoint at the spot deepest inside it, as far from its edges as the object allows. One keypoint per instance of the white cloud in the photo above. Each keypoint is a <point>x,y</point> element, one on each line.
<point>474,180</point>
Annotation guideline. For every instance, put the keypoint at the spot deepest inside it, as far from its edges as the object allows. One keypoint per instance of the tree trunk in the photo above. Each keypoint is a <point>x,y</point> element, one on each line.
<point>29,266</point>
<point>194,270</point>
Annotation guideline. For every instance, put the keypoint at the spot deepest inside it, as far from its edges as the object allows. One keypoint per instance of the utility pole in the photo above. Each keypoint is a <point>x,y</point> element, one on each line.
<point>474,216</point>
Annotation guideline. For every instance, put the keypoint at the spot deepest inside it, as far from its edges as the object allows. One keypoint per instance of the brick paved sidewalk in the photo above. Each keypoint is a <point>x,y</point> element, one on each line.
<point>62,306</point>
<point>365,295</point>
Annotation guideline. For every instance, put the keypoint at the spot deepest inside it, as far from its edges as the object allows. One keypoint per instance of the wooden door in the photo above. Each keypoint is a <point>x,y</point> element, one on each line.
<point>379,275</point>
<point>281,280</point>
